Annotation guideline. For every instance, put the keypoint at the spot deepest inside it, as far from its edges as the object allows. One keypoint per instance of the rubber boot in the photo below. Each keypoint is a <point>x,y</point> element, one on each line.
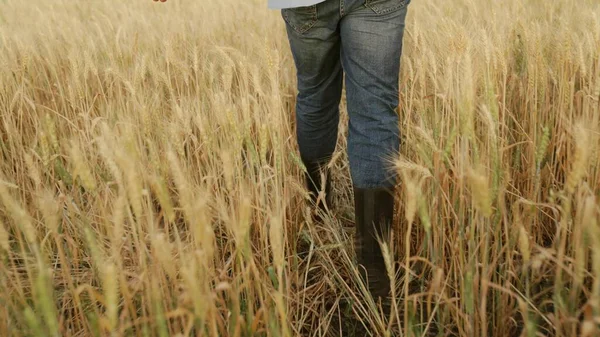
<point>314,184</point>
<point>374,212</point>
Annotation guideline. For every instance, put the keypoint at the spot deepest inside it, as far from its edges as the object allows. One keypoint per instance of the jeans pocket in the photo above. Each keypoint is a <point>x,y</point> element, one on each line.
<point>301,19</point>
<point>386,6</point>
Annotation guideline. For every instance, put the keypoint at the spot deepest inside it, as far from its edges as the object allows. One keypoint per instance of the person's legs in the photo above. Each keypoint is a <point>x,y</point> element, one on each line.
<point>314,37</point>
<point>372,33</point>
<point>371,49</point>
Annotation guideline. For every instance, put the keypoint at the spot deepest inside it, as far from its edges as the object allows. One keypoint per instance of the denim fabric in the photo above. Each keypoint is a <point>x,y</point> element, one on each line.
<point>359,42</point>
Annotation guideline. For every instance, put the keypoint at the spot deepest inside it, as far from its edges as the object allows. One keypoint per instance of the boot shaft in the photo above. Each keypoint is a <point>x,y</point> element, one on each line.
<point>318,178</point>
<point>374,212</point>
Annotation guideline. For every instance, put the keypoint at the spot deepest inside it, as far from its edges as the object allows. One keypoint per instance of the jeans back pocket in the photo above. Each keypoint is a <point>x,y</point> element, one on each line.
<point>386,6</point>
<point>301,19</point>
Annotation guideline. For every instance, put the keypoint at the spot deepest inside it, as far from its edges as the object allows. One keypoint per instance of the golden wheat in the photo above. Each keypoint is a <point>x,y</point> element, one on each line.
<point>150,183</point>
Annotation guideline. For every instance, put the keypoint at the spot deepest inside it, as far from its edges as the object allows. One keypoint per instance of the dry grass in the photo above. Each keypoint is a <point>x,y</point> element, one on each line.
<point>149,182</point>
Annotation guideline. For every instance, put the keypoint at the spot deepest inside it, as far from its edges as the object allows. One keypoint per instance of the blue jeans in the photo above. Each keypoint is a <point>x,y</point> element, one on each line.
<point>361,39</point>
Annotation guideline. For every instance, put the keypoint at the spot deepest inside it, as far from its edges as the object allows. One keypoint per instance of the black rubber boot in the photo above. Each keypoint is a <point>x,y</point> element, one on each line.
<point>314,183</point>
<point>374,209</point>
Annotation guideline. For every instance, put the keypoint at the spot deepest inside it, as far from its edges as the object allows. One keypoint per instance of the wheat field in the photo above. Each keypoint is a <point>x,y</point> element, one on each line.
<point>150,183</point>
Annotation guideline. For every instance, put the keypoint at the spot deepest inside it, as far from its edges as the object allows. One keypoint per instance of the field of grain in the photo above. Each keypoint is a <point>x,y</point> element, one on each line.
<point>150,183</point>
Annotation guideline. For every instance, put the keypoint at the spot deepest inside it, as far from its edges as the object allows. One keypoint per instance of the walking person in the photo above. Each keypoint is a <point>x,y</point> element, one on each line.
<point>359,41</point>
